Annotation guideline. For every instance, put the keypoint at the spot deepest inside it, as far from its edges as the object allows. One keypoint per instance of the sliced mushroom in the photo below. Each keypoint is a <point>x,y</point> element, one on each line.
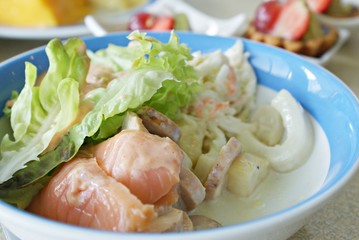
<point>132,121</point>
<point>192,191</point>
<point>201,222</point>
<point>217,175</point>
<point>180,204</point>
<point>174,220</point>
<point>159,124</point>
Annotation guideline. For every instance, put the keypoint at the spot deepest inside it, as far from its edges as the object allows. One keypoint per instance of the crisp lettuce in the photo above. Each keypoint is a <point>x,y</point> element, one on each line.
<point>179,94</point>
<point>41,111</point>
<point>108,127</point>
<point>117,58</point>
<point>177,80</point>
<point>21,197</point>
<point>170,57</point>
<point>127,92</point>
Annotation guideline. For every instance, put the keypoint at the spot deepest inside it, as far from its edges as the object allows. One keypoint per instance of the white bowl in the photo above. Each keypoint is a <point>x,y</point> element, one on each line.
<point>348,23</point>
<point>330,103</point>
<point>351,23</point>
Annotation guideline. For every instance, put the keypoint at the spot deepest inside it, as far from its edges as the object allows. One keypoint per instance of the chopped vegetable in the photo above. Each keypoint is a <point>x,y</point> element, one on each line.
<point>246,173</point>
<point>269,125</point>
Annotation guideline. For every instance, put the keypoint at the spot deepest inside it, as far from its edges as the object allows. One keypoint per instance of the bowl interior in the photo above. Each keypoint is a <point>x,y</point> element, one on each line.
<point>324,96</point>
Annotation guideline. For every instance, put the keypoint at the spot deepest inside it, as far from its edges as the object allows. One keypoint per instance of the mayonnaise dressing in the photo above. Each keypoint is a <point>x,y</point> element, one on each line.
<point>278,191</point>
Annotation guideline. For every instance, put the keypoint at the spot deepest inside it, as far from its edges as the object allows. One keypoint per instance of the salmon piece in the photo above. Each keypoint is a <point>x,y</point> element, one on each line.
<point>147,164</point>
<point>165,203</point>
<point>81,193</point>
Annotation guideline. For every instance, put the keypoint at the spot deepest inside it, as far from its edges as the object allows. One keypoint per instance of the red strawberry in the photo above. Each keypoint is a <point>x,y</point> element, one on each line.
<point>141,21</point>
<point>319,6</point>
<point>293,21</point>
<point>266,15</point>
<point>148,21</point>
<point>163,23</point>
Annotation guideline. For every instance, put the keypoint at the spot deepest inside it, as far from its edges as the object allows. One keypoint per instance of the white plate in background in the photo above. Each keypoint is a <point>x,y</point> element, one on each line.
<point>43,33</point>
<point>349,22</point>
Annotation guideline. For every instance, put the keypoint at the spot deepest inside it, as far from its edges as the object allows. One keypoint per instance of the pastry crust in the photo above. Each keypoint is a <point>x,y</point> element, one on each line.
<point>314,47</point>
<point>355,12</point>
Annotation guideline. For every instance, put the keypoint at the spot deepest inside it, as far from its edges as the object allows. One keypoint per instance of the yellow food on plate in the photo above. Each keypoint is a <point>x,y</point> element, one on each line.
<point>50,13</point>
<point>42,13</point>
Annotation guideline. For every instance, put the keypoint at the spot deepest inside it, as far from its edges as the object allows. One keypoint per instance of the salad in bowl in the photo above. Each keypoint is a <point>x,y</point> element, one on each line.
<point>152,136</point>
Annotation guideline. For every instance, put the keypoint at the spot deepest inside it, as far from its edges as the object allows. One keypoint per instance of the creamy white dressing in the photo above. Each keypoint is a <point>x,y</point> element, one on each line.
<point>278,190</point>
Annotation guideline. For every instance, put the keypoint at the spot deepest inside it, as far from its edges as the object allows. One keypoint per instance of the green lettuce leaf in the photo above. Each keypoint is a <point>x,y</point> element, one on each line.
<point>36,170</point>
<point>109,127</point>
<point>117,58</point>
<point>21,197</point>
<point>172,97</point>
<point>147,54</point>
<point>40,111</point>
<point>170,57</point>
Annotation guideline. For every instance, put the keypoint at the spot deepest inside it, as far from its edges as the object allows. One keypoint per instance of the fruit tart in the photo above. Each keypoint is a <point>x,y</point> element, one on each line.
<point>293,26</point>
<point>333,8</point>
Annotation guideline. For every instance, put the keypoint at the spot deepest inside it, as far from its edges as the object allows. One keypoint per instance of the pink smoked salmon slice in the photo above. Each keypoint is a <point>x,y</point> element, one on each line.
<point>82,194</point>
<point>147,164</point>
